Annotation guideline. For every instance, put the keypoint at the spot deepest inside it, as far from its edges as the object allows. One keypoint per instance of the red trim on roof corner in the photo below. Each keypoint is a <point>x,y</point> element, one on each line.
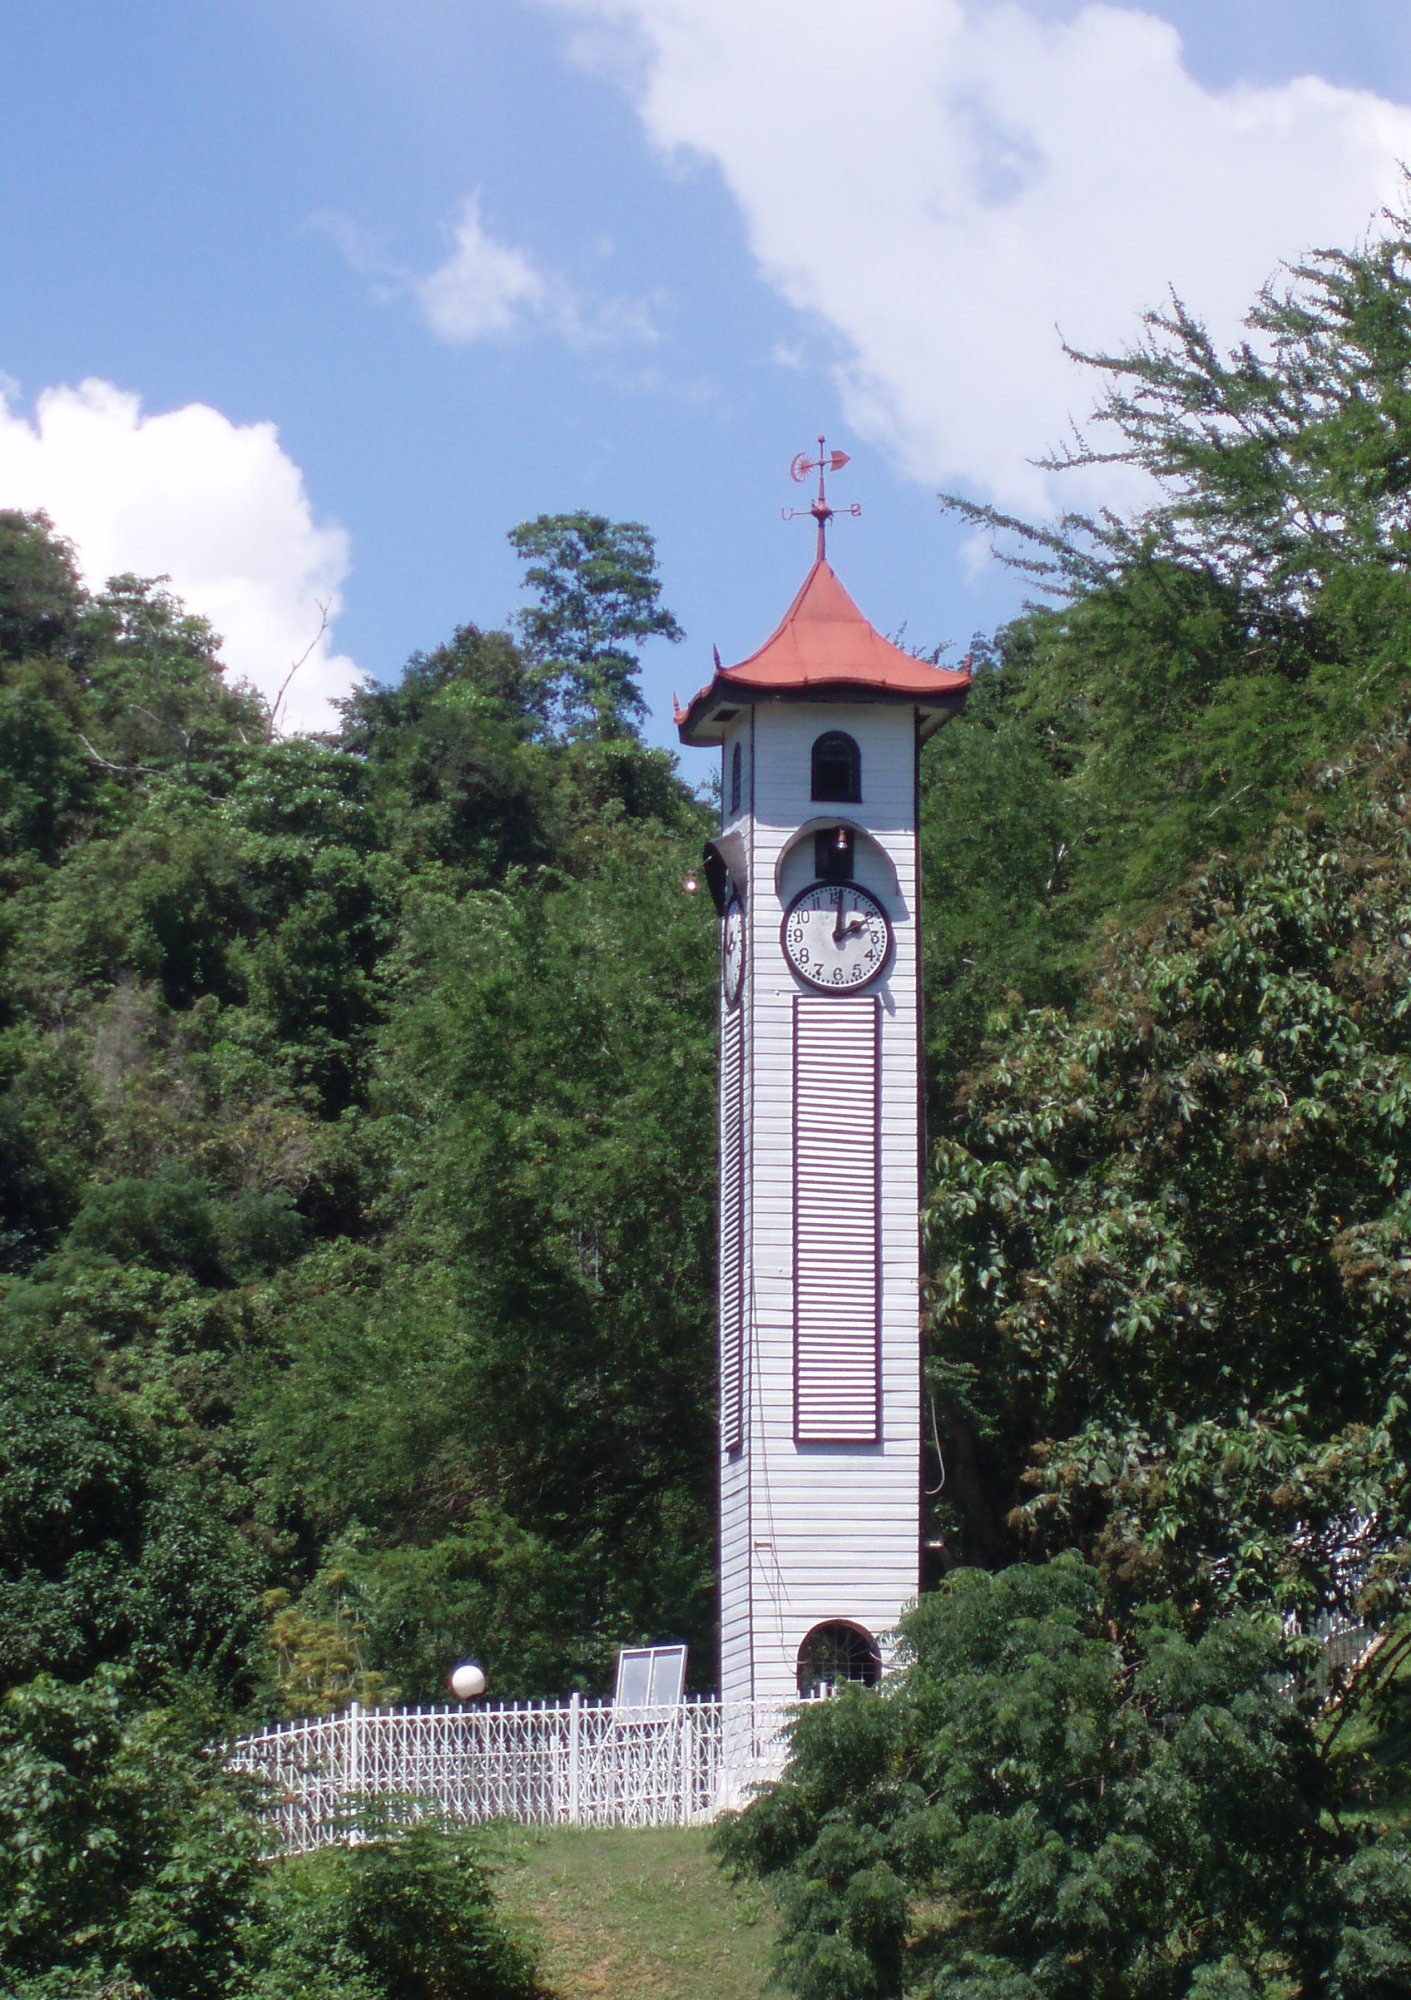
<point>823,640</point>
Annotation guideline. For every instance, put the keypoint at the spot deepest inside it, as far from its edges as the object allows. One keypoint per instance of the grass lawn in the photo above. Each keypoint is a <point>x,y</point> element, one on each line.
<point>628,1914</point>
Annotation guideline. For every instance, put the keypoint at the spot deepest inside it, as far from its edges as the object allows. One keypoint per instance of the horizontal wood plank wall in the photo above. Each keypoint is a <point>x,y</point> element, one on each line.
<point>732,1142</point>
<point>812,1532</point>
<point>837,1380</point>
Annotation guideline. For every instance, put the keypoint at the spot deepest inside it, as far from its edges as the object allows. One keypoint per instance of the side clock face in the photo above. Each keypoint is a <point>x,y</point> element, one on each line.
<point>733,949</point>
<point>837,936</point>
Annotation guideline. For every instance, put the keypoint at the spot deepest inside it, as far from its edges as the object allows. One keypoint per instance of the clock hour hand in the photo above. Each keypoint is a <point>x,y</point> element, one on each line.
<point>854,927</point>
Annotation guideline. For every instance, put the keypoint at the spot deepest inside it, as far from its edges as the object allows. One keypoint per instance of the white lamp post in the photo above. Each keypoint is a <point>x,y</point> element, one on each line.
<point>468,1681</point>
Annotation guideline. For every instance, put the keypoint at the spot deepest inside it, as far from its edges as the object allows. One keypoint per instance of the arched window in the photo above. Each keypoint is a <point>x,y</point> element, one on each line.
<point>838,1652</point>
<point>837,768</point>
<point>737,766</point>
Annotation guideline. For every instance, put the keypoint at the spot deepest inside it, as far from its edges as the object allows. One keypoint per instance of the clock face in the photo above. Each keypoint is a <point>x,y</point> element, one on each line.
<point>837,936</point>
<point>733,949</point>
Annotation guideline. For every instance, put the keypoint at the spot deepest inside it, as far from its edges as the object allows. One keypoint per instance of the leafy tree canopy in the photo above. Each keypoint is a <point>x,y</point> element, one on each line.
<point>1036,1808</point>
<point>1201,657</point>
<point>131,1864</point>
<point>345,1088</point>
<point>40,593</point>
<point>597,602</point>
<point>1169,1302</point>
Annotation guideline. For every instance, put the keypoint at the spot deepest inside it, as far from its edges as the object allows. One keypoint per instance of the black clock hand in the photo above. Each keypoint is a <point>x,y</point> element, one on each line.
<point>838,932</point>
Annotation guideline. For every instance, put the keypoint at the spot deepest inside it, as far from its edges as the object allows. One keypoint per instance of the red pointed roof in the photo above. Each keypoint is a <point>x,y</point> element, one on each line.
<point>824,646</point>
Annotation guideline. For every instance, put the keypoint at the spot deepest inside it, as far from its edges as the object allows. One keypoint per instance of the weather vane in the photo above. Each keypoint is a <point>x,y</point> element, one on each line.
<point>801,468</point>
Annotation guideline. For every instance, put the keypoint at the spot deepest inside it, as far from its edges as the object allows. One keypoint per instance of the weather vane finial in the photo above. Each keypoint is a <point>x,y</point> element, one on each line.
<point>802,466</point>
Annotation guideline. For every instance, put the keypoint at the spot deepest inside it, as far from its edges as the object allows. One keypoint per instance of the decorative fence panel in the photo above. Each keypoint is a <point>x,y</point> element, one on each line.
<point>571,1763</point>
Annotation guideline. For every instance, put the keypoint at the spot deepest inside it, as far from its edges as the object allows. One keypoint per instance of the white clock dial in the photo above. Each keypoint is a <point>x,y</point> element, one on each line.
<point>837,936</point>
<point>733,949</point>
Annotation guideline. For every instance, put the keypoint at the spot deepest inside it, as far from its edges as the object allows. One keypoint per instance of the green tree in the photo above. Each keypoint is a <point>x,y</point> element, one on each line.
<point>1168,1307</point>
<point>49,783</point>
<point>1198,659</point>
<point>130,1863</point>
<point>997,839</point>
<point>597,602</point>
<point>157,688</point>
<point>445,749</point>
<point>1036,1808</point>
<point>125,1855</point>
<point>541,1298</point>
<point>41,596</point>
<point>115,1540</point>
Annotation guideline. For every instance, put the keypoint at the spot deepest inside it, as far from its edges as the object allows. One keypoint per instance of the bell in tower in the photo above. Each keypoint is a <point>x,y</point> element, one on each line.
<point>815,877</point>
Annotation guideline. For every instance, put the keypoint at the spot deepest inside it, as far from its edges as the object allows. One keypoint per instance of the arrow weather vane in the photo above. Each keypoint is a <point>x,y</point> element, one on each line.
<point>800,469</point>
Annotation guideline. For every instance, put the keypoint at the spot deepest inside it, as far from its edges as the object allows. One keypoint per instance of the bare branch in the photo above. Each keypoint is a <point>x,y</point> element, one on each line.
<point>127,770</point>
<point>284,684</point>
<point>165,722</point>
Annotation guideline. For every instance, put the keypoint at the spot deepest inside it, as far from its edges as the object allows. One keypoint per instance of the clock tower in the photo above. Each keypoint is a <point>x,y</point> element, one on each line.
<point>814,876</point>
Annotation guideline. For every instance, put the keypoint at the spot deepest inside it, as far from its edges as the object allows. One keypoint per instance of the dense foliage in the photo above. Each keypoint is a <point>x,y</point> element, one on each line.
<point>1169,1240</point>
<point>355,1107</point>
<point>356,1168</point>
<point>1167,1233</point>
<point>355,1240</point>
<point>131,1865</point>
<point>1201,657</point>
<point>1043,1806</point>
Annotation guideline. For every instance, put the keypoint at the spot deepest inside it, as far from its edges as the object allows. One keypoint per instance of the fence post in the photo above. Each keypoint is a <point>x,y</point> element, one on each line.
<point>353,1764</point>
<point>575,1759</point>
<point>686,1735</point>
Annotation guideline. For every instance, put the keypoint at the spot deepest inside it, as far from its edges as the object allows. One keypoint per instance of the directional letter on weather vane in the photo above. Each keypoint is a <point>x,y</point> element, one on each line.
<point>802,466</point>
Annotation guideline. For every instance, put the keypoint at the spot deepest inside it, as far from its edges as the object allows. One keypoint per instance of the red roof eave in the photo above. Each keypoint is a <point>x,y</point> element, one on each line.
<point>823,642</point>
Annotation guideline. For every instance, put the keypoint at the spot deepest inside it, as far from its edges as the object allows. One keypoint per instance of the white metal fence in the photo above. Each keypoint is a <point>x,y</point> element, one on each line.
<point>572,1763</point>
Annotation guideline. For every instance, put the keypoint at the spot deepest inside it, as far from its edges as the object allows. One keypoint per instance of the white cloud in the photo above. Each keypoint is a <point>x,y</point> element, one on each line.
<point>947,185</point>
<point>484,287</point>
<point>219,507</point>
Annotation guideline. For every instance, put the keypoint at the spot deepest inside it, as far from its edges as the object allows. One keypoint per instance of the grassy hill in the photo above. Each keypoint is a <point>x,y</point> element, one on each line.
<point>635,1915</point>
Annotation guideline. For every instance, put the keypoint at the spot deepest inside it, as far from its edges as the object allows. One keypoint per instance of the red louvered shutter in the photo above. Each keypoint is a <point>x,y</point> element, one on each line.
<point>837,1289</point>
<point>732,1232</point>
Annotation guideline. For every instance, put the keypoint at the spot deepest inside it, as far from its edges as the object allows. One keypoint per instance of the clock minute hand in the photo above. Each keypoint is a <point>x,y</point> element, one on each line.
<point>838,932</point>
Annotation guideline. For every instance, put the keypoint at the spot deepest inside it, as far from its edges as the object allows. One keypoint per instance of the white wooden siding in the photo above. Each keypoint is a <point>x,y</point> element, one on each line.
<point>836,1249</point>
<point>811,1532</point>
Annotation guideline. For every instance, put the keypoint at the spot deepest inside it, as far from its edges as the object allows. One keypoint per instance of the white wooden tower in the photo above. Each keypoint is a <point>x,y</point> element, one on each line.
<point>815,878</point>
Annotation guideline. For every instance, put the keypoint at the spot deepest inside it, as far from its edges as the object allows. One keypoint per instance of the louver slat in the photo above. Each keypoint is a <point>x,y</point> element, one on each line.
<point>837,1385</point>
<point>732,1187</point>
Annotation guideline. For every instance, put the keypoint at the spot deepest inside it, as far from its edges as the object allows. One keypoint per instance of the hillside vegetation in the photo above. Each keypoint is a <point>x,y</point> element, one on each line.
<point>356,1220</point>
<point>356,1171</point>
<point>1168,1237</point>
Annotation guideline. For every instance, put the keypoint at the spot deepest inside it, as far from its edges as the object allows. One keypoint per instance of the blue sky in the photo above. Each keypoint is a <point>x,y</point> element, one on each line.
<point>308,301</point>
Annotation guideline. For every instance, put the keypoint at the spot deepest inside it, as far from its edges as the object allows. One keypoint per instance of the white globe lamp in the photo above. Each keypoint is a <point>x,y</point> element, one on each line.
<point>468,1681</point>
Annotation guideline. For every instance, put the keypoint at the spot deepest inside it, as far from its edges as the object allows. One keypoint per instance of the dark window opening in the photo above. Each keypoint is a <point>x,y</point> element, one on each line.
<point>834,1653</point>
<point>737,766</point>
<point>832,854</point>
<point>837,769</point>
